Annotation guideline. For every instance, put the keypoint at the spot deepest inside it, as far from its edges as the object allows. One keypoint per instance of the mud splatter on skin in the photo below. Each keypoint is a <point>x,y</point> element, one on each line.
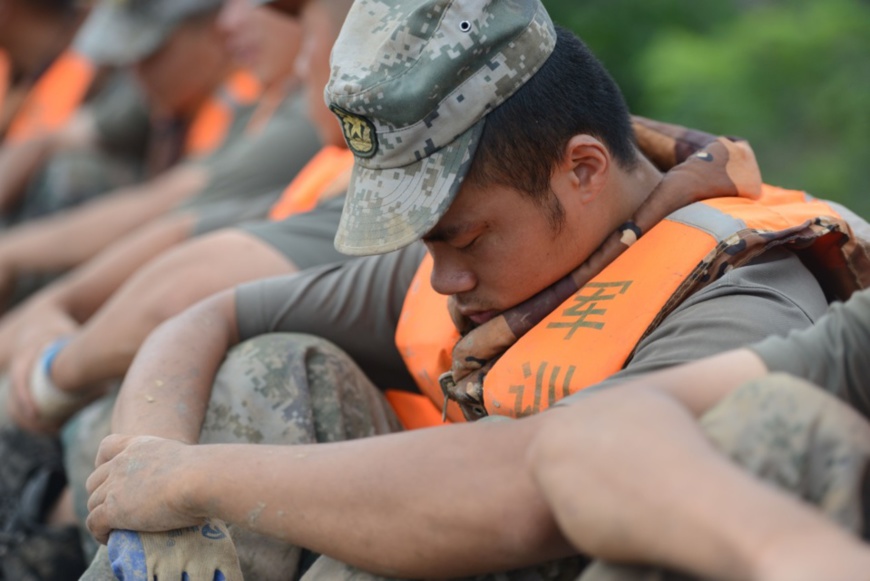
<point>254,515</point>
<point>133,466</point>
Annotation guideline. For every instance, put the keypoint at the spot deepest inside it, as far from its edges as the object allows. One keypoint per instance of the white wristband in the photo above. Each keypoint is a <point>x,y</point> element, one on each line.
<point>52,403</point>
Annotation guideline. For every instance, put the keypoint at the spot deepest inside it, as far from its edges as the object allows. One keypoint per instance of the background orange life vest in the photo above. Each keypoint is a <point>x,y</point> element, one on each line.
<point>307,187</point>
<point>5,76</point>
<point>213,120</point>
<point>54,98</point>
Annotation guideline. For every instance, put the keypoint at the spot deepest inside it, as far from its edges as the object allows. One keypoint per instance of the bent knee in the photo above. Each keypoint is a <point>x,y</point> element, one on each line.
<point>286,350</point>
<point>775,397</point>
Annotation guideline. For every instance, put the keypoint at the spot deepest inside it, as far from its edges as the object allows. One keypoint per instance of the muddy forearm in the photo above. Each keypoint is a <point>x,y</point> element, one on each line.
<point>167,389</point>
<point>441,502</point>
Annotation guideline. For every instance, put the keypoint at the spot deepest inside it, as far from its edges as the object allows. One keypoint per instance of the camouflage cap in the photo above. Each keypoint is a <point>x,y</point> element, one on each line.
<point>122,32</point>
<point>411,84</point>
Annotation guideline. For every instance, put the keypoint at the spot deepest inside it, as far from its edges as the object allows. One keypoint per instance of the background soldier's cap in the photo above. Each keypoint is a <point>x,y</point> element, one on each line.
<point>411,83</point>
<point>122,32</point>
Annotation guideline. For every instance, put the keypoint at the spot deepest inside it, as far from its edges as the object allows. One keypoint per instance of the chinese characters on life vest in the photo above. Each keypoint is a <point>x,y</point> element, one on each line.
<point>544,382</point>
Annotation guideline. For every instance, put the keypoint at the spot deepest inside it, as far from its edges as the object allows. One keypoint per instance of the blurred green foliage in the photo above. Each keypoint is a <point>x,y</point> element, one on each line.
<point>792,76</point>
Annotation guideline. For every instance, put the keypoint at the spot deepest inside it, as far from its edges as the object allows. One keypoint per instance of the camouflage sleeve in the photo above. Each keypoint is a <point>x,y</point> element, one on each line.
<point>834,354</point>
<point>770,296</point>
<point>356,305</point>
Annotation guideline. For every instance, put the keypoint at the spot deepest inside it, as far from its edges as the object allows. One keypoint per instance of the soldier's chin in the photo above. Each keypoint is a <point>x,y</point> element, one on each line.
<point>482,317</point>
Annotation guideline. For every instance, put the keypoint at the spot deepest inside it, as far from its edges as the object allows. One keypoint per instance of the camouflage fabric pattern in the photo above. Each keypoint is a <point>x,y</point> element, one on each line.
<point>780,428</point>
<point>280,389</point>
<point>795,436</point>
<point>803,440</point>
<point>826,242</point>
<point>411,83</point>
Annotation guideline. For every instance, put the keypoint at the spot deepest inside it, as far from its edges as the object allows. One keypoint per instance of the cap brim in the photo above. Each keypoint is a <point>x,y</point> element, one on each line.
<point>387,209</point>
<point>110,36</point>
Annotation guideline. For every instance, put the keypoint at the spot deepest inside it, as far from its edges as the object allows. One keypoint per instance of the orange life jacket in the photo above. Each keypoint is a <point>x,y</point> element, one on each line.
<point>307,187</point>
<point>593,334</point>
<point>213,120</point>
<point>5,76</point>
<point>54,98</point>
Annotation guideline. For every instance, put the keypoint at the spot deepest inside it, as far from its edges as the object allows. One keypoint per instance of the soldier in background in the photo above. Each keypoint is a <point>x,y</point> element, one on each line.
<point>181,64</point>
<point>33,33</point>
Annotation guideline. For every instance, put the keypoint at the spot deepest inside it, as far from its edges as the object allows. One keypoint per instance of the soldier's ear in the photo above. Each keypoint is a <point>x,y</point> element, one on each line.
<point>584,167</point>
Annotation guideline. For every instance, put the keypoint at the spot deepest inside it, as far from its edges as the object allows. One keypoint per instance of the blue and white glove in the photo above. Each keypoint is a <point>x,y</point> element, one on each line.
<point>53,404</point>
<point>201,553</point>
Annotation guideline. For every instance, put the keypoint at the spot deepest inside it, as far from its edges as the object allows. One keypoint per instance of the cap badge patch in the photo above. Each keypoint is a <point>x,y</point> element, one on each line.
<point>358,131</point>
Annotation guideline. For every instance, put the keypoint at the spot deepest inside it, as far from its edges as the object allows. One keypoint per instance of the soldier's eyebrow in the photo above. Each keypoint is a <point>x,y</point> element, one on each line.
<point>450,231</point>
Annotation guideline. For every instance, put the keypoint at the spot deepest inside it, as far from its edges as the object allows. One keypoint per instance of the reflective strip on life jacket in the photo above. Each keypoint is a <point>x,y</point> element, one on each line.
<point>592,334</point>
<point>306,188</point>
<point>212,122</point>
<point>54,98</point>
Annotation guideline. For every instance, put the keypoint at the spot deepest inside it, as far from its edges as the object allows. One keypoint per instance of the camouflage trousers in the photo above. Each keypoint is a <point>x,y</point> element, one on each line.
<point>798,438</point>
<point>294,389</point>
<point>275,389</point>
<point>784,430</point>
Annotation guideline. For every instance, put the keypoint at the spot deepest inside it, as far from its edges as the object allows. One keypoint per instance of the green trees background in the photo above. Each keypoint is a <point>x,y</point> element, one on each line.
<point>792,76</point>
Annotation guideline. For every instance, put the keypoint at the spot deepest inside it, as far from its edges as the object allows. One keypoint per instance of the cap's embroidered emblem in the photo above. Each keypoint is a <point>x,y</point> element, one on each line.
<point>358,132</point>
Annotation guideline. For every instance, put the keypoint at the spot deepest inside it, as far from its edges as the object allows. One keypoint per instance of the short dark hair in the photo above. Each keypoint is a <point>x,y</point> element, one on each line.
<point>525,137</point>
